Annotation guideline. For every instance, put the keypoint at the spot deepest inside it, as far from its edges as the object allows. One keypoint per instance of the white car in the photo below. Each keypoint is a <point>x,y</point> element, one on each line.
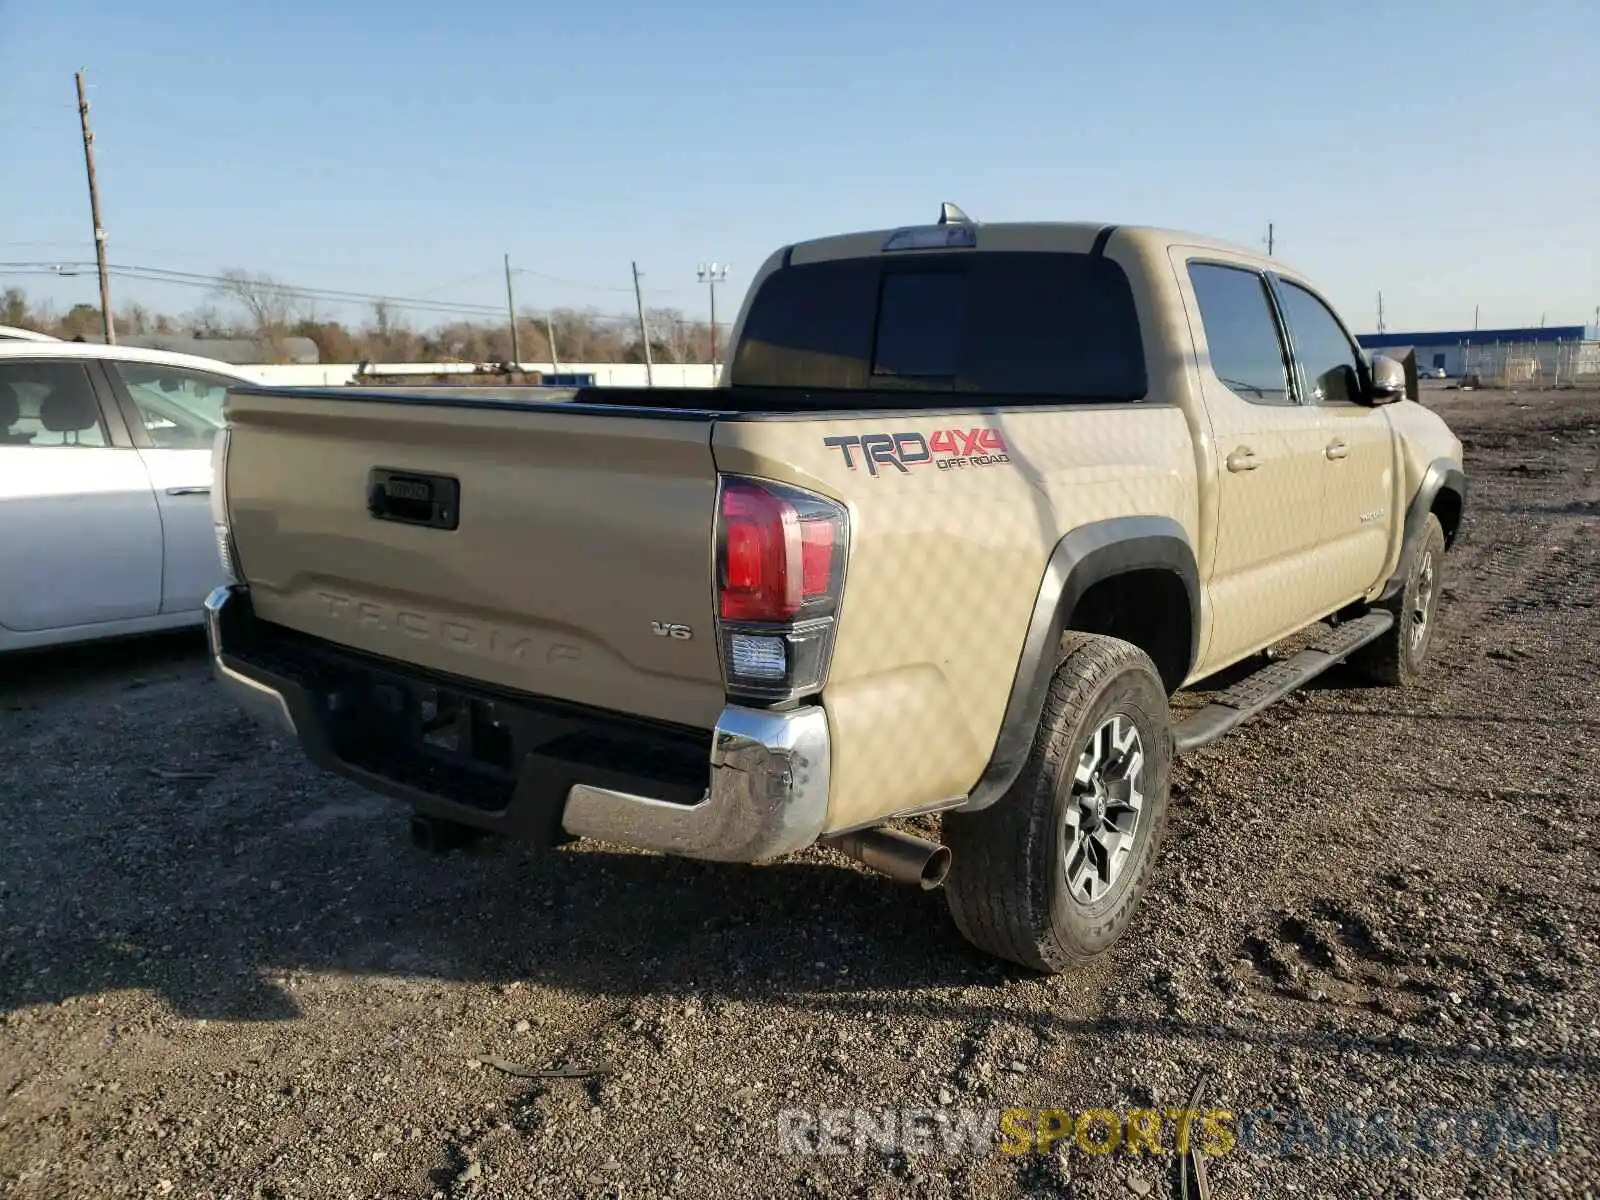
<point>12,333</point>
<point>105,482</point>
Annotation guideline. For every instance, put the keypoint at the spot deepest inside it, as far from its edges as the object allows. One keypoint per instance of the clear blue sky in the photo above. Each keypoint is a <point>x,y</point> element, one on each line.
<point>1444,153</point>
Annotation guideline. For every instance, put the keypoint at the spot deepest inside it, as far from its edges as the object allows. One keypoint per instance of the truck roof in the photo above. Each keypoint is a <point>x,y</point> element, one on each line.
<point>1062,237</point>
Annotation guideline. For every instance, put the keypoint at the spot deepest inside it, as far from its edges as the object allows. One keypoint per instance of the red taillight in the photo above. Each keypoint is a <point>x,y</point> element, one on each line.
<point>762,581</point>
<point>816,558</point>
<point>780,571</point>
<point>780,551</point>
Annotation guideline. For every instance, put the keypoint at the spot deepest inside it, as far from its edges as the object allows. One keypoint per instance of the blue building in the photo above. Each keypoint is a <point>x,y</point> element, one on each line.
<point>1550,354</point>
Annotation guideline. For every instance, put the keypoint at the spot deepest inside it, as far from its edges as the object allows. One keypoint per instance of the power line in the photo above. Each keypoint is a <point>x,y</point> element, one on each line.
<point>396,303</point>
<point>473,278</point>
<point>598,287</point>
<point>207,281</point>
<point>432,309</point>
<point>195,279</point>
<point>312,293</point>
<point>358,297</point>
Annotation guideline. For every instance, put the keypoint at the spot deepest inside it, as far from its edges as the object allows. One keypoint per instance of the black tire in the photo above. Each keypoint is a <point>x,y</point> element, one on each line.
<point>1398,657</point>
<point>1008,890</point>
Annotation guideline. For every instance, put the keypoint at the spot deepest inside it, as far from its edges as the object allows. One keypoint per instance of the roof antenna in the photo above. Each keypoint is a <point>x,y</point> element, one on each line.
<point>950,214</point>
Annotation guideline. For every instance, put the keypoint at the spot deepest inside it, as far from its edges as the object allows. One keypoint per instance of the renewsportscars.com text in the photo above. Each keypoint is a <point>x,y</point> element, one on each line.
<point>954,1132</point>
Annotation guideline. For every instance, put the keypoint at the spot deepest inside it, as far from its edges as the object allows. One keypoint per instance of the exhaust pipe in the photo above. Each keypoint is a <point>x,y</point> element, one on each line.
<point>438,836</point>
<point>901,856</point>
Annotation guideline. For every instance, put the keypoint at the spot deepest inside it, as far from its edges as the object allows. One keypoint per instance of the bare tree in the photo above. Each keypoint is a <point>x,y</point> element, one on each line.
<point>267,312</point>
<point>269,306</point>
<point>207,322</point>
<point>383,321</point>
<point>45,317</point>
<point>389,339</point>
<point>668,337</point>
<point>135,319</point>
<point>14,308</point>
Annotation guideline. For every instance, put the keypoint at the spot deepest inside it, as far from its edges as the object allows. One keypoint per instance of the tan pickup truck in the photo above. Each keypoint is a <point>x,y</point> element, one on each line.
<point>971,502</point>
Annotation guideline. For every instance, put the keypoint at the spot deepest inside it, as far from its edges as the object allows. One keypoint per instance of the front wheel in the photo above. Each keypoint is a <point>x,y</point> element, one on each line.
<point>1398,656</point>
<point>1051,875</point>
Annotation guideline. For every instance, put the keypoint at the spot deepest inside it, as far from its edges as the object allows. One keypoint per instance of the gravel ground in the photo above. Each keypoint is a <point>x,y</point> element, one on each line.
<point>224,974</point>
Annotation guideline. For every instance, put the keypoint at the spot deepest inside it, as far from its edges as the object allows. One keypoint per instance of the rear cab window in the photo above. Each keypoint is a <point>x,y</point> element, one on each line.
<point>1017,327</point>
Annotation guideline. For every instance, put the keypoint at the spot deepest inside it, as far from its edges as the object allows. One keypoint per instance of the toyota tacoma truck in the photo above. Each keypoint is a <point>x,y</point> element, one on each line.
<point>969,504</point>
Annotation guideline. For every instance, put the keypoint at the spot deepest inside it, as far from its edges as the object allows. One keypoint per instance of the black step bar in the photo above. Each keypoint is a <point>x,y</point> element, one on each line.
<point>1276,680</point>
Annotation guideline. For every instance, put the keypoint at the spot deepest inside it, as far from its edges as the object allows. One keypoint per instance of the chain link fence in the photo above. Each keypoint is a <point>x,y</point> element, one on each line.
<point>1532,365</point>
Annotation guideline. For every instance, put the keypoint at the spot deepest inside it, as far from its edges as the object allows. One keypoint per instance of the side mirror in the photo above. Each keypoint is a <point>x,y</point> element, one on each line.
<point>1388,381</point>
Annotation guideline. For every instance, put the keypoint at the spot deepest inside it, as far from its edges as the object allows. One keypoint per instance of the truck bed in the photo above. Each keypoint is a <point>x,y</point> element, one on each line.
<point>688,403</point>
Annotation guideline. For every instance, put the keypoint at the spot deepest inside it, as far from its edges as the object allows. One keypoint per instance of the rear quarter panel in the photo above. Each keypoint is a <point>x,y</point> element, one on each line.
<point>946,559</point>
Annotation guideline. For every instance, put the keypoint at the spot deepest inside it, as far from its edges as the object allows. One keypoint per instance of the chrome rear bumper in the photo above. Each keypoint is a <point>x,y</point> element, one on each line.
<point>768,794</point>
<point>264,703</point>
<point>769,773</point>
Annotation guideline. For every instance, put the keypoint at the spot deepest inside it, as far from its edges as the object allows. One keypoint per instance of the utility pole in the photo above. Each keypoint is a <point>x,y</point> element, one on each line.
<point>511,315</point>
<point>644,330</point>
<point>712,275</point>
<point>1475,318</point>
<point>1380,312</point>
<point>550,333</point>
<point>94,212</point>
<point>1269,239</point>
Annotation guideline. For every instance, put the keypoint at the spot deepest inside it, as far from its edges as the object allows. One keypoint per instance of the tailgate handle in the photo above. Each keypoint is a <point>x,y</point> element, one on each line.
<point>414,498</point>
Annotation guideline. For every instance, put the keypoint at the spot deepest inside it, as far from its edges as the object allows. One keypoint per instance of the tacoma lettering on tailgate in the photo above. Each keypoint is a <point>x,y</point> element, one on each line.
<point>482,641</point>
<point>947,449</point>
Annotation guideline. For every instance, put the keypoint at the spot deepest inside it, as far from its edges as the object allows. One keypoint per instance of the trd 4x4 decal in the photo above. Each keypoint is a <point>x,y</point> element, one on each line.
<point>947,449</point>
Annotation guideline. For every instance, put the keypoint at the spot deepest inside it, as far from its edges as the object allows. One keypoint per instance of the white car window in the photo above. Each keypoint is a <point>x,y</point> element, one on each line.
<point>48,403</point>
<point>180,409</point>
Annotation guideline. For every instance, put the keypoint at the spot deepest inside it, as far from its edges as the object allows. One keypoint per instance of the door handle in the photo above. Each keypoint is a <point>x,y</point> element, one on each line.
<point>1242,459</point>
<point>1337,449</point>
<point>189,491</point>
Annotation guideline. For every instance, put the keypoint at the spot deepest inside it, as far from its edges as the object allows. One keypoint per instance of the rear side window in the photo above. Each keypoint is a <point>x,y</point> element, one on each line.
<point>1035,325</point>
<point>1241,333</point>
<point>45,403</point>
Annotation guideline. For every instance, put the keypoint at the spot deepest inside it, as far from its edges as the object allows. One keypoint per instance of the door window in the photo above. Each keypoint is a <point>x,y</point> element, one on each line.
<point>1241,332</point>
<point>45,403</point>
<point>1328,359</point>
<point>179,409</point>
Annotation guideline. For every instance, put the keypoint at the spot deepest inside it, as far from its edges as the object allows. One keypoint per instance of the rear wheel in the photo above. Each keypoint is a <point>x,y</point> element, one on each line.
<point>1051,875</point>
<point>1398,657</point>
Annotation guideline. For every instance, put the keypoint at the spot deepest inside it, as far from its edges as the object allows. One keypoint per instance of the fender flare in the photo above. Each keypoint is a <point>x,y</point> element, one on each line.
<point>1088,555</point>
<point>1442,475</point>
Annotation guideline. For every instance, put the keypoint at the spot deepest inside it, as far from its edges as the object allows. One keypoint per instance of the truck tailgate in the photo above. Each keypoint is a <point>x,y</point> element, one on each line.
<point>580,557</point>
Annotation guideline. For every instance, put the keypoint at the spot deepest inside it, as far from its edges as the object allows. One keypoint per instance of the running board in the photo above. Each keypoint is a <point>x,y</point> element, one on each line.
<point>1276,680</point>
